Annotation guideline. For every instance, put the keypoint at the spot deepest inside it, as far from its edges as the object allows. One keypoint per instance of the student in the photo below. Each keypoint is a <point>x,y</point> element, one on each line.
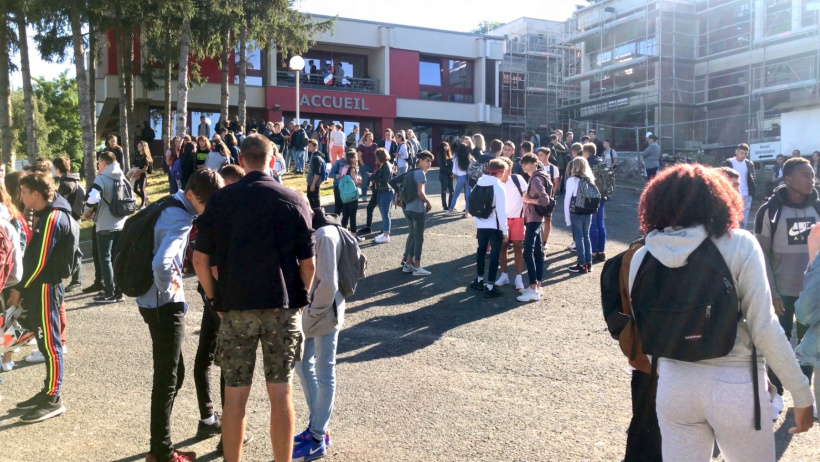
<point>807,310</point>
<point>597,230</point>
<point>278,166</point>
<point>402,156</point>
<point>231,143</point>
<point>335,174</point>
<point>171,157</point>
<point>538,194</point>
<point>492,231</point>
<point>445,173</point>
<point>742,165</point>
<point>261,302</point>
<point>107,225</point>
<point>610,156</point>
<point>231,174</point>
<point>385,195</point>
<point>415,212</point>
<point>114,148</point>
<point>336,142</point>
<point>701,401</point>
<point>10,223</point>
<point>187,163</point>
<point>554,174</point>
<point>460,165</point>
<point>526,148</point>
<point>145,163</point>
<point>322,322</point>
<point>514,188</point>
<point>785,250</point>
<point>579,167</point>
<point>69,186</point>
<point>47,260</point>
<point>651,156</point>
<point>203,149</point>
<point>350,209</point>
<point>367,156</point>
<point>219,155</point>
<point>316,168</point>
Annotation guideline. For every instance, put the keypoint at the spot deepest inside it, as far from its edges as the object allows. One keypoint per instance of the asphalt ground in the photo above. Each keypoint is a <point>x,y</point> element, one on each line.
<point>428,369</point>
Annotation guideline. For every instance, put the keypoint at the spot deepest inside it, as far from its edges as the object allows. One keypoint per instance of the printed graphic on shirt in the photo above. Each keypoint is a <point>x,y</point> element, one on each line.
<point>799,228</point>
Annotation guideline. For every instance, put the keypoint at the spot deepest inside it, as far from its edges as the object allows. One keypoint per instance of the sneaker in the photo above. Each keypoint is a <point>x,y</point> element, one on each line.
<point>32,342</point>
<point>589,267</point>
<point>599,258</point>
<point>529,295</point>
<point>503,280</point>
<point>571,247</point>
<point>65,348</point>
<point>777,406</point>
<point>177,456</point>
<point>545,247</point>
<point>359,238</point>
<point>93,288</point>
<point>108,299</point>
<point>406,268</point>
<point>44,411</point>
<point>578,269</point>
<point>73,287</point>
<point>33,402</point>
<point>205,431</point>
<point>420,272</point>
<point>306,435</point>
<point>519,283</point>
<point>309,450</point>
<point>246,441</point>
<point>365,230</point>
<point>383,239</point>
<point>35,357</point>
<point>477,285</point>
<point>5,367</point>
<point>493,293</point>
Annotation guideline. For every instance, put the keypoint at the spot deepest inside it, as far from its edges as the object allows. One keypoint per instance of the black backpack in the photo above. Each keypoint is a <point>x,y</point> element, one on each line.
<point>409,189</point>
<point>77,199</point>
<point>133,271</point>
<point>482,201</point>
<point>122,199</point>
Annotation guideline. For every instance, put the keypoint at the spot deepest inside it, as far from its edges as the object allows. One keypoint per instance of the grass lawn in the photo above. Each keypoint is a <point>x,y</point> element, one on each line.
<point>157,187</point>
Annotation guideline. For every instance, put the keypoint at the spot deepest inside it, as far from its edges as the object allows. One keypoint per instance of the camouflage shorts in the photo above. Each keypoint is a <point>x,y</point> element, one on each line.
<point>240,331</point>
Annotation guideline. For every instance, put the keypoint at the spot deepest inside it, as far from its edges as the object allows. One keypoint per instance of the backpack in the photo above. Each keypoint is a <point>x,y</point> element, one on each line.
<point>543,210</point>
<point>482,201</point>
<point>604,179</point>
<point>176,170</point>
<point>73,256</point>
<point>587,199</point>
<point>475,171</point>
<point>133,271</point>
<point>77,201</point>
<point>352,263</point>
<point>6,256</point>
<point>348,191</point>
<point>122,199</point>
<point>409,190</point>
<point>322,170</point>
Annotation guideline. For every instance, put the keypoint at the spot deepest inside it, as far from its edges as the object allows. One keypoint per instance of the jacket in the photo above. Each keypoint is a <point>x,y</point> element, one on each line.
<point>68,185</point>
<point>807,309</point>
<point>498,216</point>
<point>761,328</point>
<point>170,242</point>
<point>215,160</point>
<point>652,156</point>
<point>101,194</point>
<point>326,311</point>
<point>17,250</point>
<point>51,246</point>
<point>537,189</point>
<point>750,174</point>
<point>381,178</point>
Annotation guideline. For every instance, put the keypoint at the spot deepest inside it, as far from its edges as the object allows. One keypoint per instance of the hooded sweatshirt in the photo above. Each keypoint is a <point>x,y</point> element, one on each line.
<point>17,251</point>
<point>498,216</point>
<point>326,311</point>
<point>101,194</point>
<point>759,326</point>
<point>51,246</point>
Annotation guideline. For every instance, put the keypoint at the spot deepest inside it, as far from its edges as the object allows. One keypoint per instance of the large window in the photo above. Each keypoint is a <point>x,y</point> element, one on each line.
<point>445,79</point>
<point>254,57</point>
<point>778,16</point>
<point>811,11</point>
<point>725,29</point>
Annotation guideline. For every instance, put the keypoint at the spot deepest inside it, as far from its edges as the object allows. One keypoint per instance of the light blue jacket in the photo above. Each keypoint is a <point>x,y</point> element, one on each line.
<point>170,240</point>
<point>807,309</point>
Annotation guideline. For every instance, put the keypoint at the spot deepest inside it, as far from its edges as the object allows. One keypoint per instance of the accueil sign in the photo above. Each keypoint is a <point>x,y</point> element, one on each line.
<point>334,102</point>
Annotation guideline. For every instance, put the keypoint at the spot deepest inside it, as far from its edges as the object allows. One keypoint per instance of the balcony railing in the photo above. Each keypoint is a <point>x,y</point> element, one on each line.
<point>316,81</point>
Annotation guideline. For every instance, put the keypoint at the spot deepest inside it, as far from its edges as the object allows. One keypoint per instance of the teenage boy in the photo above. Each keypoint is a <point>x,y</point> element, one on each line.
<point>298,143</point>
<point>554,174</point>
<point>48,259</point>
<point>69,187</point>
<point>742,165</point>
<point>526,148</point>
<point>651,156</point>
<point>538,193</point>
<point>314,176</point>
<point>791,212</point>
<point>259,233</point>
<point>323,319</point>
<point>514,187</point>
<point>108,226</point>
<point>416,212</point>
<point>493,230</point>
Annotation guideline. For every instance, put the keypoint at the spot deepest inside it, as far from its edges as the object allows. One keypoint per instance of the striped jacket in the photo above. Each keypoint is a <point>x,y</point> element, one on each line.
<point>49,255</point>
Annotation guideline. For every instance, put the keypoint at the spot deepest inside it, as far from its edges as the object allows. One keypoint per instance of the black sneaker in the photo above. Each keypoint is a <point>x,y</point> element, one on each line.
<point>73,287</point>
<point>204,431</point>
<point>495,292</point>
<point>33,402</point>
<point>245,442</point>
<point>477,285</point>
<point>93,288</point>
<point>108,299</point>
<point>44,411</point>
<point>365,230</point>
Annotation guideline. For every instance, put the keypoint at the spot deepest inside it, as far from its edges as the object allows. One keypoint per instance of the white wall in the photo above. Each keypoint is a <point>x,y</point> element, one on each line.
<point>798,130</point>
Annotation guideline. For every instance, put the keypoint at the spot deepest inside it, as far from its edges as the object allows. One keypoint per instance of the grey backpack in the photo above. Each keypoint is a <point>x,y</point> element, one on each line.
<point>352,264</point>
<point>587,199</point>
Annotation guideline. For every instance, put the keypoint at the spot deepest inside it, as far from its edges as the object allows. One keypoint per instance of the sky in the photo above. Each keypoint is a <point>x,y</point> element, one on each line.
<point>455,15</point>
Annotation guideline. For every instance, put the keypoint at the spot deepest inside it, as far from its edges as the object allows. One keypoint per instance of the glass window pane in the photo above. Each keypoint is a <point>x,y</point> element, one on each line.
<point>430,73</point>
<point>461,74</point>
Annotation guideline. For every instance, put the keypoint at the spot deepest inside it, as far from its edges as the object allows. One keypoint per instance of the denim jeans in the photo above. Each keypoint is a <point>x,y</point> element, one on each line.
<point>446,182</point>
<point>787,323</point>
<point>747,205</point>
<point>77,275</point>
<point>533,252</point>
<point>461,183</point>
<point>597,231</point>
<point>317,374</point>
<point>107,246</point>
<point>172,183</point>
<point>385,201</point>
<point>365,172</point>
<point>415,236</point>
<point>494,238</point>
<point>580,232</point>
<point>299,159</point>
<point>288,156</point>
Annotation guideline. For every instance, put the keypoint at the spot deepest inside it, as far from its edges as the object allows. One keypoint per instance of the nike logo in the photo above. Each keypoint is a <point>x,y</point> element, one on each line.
<point>314,451</point>
<point>799,228</point>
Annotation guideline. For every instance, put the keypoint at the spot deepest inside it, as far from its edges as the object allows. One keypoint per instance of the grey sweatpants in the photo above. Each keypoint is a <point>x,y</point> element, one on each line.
<point>700,403</point>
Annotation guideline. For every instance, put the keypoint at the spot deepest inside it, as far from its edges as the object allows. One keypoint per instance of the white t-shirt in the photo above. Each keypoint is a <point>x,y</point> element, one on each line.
<point>337,138</point>
<point>740,167</point>
<point>609,154</point>
<point>553,173</point>
<point>515,206</point>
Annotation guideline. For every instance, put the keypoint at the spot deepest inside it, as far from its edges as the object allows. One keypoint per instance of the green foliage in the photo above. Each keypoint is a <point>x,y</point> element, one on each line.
<point>484,27</point>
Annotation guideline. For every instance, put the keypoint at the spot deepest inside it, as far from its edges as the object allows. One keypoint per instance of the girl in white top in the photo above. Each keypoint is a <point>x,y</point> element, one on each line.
<point>402,155</point>
<point>579,167</point>
<point>336,142</point>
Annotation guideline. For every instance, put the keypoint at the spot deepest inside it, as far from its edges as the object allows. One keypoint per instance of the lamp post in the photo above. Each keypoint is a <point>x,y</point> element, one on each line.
<point>297,63</point>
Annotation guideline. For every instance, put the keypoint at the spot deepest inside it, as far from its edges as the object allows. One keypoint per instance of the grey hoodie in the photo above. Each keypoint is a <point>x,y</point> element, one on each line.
<point>759,325</point>
<point>322,316</point>
<point>104,183</point>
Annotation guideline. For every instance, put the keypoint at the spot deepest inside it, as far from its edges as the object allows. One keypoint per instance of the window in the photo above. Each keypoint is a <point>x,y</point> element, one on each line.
<point>810,13</point>
<point>778,17</point>
<point>444,79</point>
<point>254,68</point>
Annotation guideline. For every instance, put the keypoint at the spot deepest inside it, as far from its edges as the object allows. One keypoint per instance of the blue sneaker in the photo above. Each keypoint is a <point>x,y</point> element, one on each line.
<point>307,436</point>
<point>309,450</point>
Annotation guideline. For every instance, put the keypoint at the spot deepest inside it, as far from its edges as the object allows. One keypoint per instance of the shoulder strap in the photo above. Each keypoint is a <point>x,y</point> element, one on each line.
<point>517,183</point>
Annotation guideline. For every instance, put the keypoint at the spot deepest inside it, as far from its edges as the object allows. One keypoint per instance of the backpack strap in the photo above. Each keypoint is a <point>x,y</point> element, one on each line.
<point>629,339</point>
<point>756,388</point>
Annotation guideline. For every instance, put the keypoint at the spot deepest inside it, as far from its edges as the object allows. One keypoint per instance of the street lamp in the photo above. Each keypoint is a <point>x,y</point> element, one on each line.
<point>297,63</point>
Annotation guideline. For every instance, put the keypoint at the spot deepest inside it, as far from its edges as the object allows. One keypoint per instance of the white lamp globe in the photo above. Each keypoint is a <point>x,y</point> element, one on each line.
<point>297,63</point>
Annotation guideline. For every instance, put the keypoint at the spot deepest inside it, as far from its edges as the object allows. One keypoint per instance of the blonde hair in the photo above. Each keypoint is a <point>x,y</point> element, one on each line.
<point>478,141</point>
<point>146,151</point>
<point>580,167</point>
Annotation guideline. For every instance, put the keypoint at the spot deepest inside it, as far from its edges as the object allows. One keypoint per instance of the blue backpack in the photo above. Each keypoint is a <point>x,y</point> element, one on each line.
<point>322,171</point>
<point>348,191</point>
<point>176,170</point>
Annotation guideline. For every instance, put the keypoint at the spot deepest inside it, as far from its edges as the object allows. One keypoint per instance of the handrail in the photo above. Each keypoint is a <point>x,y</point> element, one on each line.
<point>316,81</point>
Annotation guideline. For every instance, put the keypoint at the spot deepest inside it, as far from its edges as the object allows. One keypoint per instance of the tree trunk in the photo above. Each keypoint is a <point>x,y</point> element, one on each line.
<point>92,76</point>
<point>225,95</point>
<point>28,91</point>
<point>166,113</point>
<point>182,99</point>
<point>6,135</point>
<point>129,98</point>
<point>243,73</point>
<point>123,94</point>
<point>86,120</point>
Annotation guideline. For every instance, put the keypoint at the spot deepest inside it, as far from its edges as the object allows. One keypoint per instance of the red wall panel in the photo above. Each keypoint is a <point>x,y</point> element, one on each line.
<point>404,73</point>
<point>323,102</point>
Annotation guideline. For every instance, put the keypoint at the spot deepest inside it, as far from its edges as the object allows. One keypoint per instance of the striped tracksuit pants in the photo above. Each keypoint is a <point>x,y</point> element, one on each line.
<point>42,303</point>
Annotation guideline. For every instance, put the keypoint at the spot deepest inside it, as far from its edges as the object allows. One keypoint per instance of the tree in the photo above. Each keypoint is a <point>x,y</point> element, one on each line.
<point>58,100</point>
<point>84,97</point>
<point>182,81</point>
<point>20,15</point>
<point>6,135</point>
<point>484,27</point>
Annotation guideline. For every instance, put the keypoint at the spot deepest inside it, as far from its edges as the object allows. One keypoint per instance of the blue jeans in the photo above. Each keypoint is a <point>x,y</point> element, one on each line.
<point>461,183</point>
<point>597,232</point>
<point>317,374</point>
<point>494,238</point>
<point>580,232</point>
<point>365,172</point>
<point>299,159</point>
<point>288,156</point>
<point>747,205</point>
<point>415,236</point>
<point>108,249</point>
<point>172,182</point>
<point>533,252</point>
<point>385,201</point>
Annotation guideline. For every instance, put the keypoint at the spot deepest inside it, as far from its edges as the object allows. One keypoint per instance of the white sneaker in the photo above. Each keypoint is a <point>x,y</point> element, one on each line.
<point>571,246</point>
<point>5,367</point>
<point>35,357</point>
<point>814,410</point>
<point>503,280</point>
<point>777,406</point>
<point>545,247</point>
<point>406,268</point>
<point>32,342</point>
<point>65,348</point>
<point>529,295</point>
<point>519,283</point>
<point>382,239</point>
<point>420,272</point>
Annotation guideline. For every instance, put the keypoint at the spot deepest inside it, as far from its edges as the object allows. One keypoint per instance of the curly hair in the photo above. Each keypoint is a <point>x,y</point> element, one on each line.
<point>689,195</point>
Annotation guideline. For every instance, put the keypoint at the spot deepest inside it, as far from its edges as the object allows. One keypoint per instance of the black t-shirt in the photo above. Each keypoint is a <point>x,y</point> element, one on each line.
<point>140,162</point>
<point>278,139</point>
<point>484,158</point>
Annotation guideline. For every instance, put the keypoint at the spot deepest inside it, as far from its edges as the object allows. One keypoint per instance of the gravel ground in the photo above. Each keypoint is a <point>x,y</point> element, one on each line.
<point>428,369</point>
